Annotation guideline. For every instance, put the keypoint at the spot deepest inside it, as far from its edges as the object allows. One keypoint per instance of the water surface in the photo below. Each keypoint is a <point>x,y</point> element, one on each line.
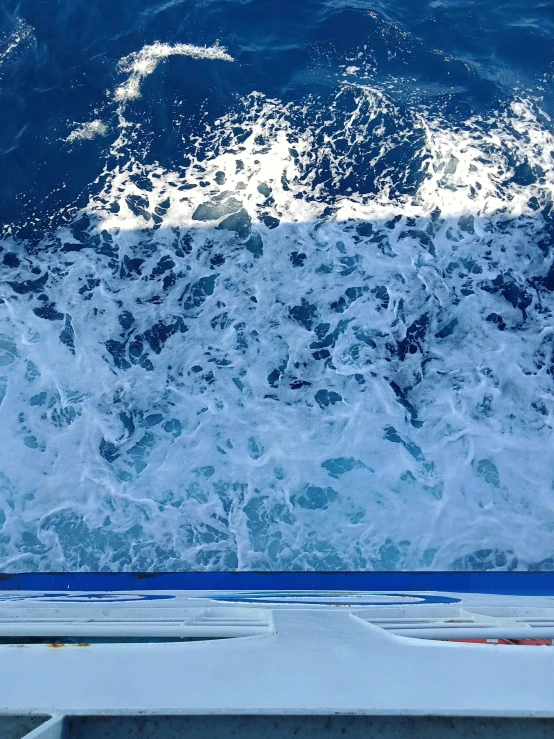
<point>276,285</point>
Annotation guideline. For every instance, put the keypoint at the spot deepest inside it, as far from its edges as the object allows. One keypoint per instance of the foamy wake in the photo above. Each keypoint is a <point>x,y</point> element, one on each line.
<point>289,353</point>
<point>142,63</point>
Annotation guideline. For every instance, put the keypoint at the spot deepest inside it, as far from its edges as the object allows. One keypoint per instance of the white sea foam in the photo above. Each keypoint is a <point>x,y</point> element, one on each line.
<point>88,131</point>
<point>184,420</point>
<point>140,64</point>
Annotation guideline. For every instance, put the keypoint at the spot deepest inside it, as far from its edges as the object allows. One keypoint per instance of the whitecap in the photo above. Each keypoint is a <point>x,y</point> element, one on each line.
<point>89,130</point>
<point>142,63</point>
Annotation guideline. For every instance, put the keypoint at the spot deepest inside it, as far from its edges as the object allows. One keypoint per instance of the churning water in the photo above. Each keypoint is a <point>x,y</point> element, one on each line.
<point>277,285</point>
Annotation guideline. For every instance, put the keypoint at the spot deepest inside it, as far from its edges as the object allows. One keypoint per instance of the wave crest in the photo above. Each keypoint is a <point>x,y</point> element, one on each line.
<point>142,63</point>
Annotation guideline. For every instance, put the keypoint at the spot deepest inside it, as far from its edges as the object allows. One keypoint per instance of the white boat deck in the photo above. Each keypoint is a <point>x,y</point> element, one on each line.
<point>275,663</point>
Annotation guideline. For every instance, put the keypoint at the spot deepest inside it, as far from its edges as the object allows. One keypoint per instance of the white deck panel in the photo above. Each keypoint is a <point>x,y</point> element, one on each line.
<point>314,659</point>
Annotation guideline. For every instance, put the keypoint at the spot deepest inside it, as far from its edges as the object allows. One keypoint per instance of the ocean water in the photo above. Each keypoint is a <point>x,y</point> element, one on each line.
<point>276,285</point>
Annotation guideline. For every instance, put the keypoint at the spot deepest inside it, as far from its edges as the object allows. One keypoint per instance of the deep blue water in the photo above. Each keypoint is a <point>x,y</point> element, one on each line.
<point>276,284</point>
<point>462,58</point>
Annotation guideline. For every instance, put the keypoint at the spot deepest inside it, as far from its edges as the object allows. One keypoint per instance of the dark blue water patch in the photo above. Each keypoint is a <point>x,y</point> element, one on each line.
<point>315,498</point>
<point>29,286</point>
<point>239,223</point>
<point>415,334</point>
<point>118,352</point>
<point>297,259</point>
<point>495,318</point>
<point>126,320</point>
<point>340,465</point>
<point>326,398</point>
<point>484,560</point>
<point>507,286</point>
<point>160,333</point>
<point>47,310</point>
<point>196,293</point>
<point>391,434</point>
<point>11,260</point>
<point>304,314</point>
<point>403,400</point>
<point>394,47</point>
<point>255,245</point>
<point>67,335</point>
<point>131,267</point>
<point>211,211</point>
<point>447,330</point>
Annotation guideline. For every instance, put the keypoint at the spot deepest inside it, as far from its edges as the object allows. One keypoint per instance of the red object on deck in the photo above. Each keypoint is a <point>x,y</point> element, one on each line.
<point>509,642</point>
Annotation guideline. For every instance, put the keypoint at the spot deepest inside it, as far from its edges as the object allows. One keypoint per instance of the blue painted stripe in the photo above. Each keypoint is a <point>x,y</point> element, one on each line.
<point>508,583</point>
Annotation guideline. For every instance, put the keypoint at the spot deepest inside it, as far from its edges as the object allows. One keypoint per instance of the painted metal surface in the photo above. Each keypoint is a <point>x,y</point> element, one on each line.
<point>82,619</point>
<point>54,728</point>
<point>321,655</point>
<point>514,583</point>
